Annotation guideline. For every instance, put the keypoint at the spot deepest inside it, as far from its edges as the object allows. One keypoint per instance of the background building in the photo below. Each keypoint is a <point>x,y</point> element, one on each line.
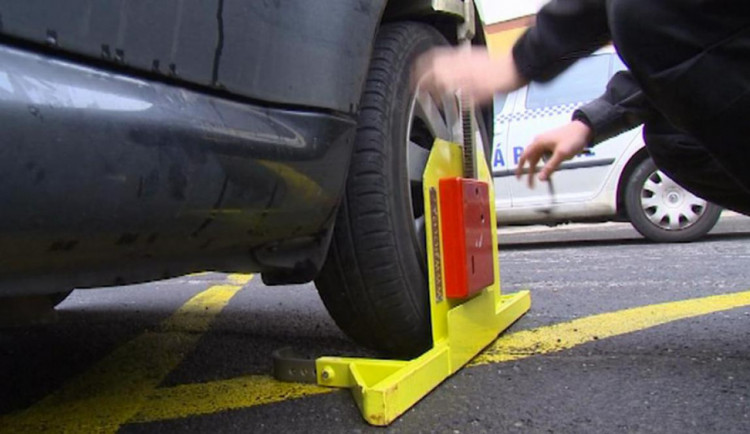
<point>506,20</point>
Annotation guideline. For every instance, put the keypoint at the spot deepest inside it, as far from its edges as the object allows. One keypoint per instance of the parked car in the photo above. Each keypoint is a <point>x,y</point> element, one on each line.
<point>615,180</point>
<point>145,140</point>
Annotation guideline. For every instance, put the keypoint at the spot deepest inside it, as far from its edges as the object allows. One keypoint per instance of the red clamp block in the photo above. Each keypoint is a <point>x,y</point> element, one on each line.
<point>467,236</point>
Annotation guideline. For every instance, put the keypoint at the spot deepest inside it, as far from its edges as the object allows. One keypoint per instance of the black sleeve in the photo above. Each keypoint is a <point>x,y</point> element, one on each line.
<point>565,31</point>
<point>622,107</point>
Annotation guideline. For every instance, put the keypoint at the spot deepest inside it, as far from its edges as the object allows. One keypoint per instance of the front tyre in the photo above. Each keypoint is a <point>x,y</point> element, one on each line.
<point>374,282</point>
<point>662,211</point>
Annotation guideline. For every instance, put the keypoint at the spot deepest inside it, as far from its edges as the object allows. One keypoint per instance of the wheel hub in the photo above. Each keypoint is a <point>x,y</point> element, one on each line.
<point>669,206</point>
<point>673,198</point>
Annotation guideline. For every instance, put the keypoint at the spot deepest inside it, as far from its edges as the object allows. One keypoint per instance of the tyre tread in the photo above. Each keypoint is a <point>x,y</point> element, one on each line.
<point>364,283</point>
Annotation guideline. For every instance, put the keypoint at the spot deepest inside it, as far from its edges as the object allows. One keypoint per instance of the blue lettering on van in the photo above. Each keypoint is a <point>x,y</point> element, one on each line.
<point>517,151</point>
<point>498,160</point>
<point>589,153</point>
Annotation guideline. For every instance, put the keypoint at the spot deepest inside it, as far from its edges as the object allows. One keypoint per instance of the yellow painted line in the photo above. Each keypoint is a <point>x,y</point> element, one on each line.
<point>245,392</point>
<point>239,279</point>
<point>209,398</point>
<point>563,336</point>
<point>123,387</point>
<point>114,389</point>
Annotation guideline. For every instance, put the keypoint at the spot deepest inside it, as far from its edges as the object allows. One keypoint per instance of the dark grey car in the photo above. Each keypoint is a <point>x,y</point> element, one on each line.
<point>144,140</point>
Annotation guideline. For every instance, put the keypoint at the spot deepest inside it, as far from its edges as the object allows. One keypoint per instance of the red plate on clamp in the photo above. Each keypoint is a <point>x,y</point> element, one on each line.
<point>467,237</point>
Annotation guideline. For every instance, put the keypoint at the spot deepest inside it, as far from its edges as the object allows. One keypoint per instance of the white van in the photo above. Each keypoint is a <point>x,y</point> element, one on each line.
<point>616,180</point>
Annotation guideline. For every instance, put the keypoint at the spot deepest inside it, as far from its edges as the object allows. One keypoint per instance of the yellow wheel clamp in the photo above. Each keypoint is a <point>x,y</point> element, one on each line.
<point>467,308</point>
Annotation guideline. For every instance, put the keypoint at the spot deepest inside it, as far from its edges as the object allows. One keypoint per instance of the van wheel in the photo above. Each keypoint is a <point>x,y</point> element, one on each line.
<point>662,211</point>
<point>374,282</point>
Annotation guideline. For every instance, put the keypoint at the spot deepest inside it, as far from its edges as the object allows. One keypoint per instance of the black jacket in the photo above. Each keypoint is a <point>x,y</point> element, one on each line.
<point>622,107</point>
<point>688,82</point>
<point>566,31</point>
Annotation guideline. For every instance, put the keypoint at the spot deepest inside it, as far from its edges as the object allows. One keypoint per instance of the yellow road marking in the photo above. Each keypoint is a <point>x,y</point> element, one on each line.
<point>559,337</point>
<point>123,388</point>
<point>239,279</point>
<point>111,392</point>
<point>208,398</point>
<point>245,392</point>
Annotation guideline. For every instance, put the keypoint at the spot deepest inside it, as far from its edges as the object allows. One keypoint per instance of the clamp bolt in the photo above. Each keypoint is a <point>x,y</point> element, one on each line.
<point>327,374</point>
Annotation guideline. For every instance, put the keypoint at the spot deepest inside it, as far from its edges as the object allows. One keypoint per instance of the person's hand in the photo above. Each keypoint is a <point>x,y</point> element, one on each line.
<point>559,144</point>
<point>470,70</point>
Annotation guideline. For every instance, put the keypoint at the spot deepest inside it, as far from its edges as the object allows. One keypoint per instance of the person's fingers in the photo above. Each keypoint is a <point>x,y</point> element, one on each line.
<point>418,74</point>
<point>426,72</point>
<point>534,154</point>
<point>520,169</point>
<point>447,70</point>
<point>526,155</point>
<point>530,156</point>
<point>421,65</point>
<point>552,164</point>
<point>532,172</point>
<point>521,163</point>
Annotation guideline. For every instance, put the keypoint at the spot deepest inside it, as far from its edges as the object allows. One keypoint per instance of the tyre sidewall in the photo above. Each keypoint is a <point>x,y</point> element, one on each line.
<point>415,258</point>
<point>645,227</point>
<point>374,282</point>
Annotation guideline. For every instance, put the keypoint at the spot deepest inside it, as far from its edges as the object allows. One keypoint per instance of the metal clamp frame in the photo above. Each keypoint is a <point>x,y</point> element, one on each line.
<point>385,389</point>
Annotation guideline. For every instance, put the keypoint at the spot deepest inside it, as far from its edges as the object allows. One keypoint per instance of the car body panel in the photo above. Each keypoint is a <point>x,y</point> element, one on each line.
<point>105,173</point>
<point>299,52</point>
<point>144,140</point>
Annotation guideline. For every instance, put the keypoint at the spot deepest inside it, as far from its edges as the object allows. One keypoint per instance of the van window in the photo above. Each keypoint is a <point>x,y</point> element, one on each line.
<point>583,81</point>
<point>499,101</point>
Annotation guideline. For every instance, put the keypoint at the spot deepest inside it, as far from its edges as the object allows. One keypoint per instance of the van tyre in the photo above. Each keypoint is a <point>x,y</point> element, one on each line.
<point>663,211</point>
<point>374,282</point>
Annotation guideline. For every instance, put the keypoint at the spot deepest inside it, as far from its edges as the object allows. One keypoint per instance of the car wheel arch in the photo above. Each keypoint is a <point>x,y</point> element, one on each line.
<point>422,12</point>
<point>627,172</point>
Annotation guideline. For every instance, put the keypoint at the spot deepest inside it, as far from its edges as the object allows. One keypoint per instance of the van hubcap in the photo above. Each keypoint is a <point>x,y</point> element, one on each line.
<point>669,206</point>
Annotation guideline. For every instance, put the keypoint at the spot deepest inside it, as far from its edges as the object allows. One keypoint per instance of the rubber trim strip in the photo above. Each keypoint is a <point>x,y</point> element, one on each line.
<point>567,166</point>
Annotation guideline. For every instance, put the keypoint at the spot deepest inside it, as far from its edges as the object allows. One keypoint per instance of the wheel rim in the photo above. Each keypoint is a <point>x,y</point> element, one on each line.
<point>429,118</point>
<point>669,206</point>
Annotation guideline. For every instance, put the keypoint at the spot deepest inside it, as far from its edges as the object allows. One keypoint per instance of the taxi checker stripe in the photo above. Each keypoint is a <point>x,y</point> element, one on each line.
<point>538,113</point>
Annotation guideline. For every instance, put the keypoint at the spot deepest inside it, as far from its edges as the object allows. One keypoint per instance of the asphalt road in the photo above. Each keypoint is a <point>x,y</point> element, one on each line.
<point>623,339</point>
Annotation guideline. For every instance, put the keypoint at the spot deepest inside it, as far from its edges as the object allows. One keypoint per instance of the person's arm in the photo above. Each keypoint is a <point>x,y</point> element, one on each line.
<point>565,31</point>
<point>622,107</point>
